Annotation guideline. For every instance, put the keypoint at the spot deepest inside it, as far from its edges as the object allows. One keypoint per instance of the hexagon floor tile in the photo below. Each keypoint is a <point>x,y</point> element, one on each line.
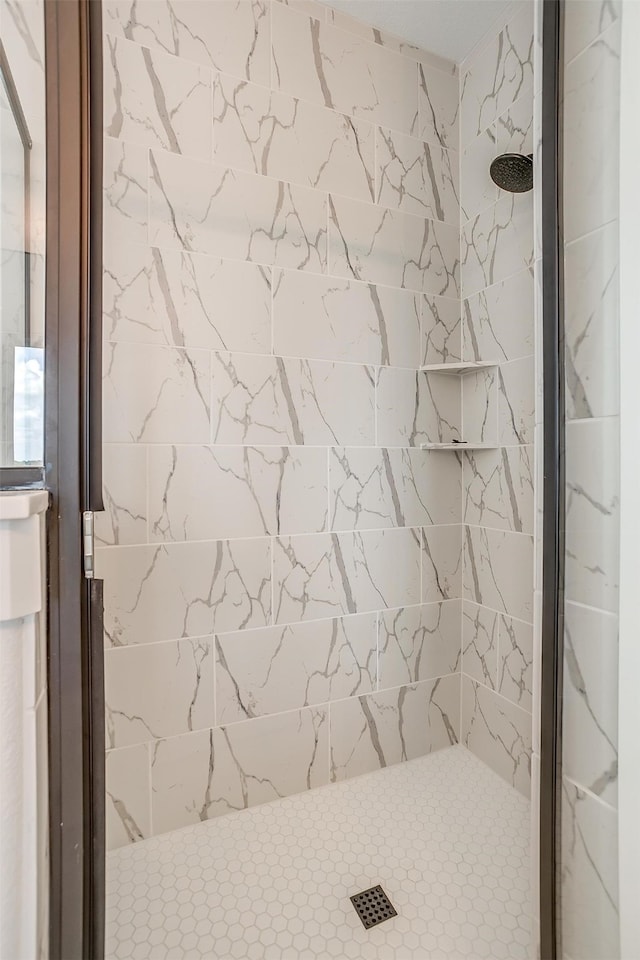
<point>447,839</point>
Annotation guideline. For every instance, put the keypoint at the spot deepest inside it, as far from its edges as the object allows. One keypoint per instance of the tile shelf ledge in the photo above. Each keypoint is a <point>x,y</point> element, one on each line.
<point>459,446</point>
<point>458,368</point>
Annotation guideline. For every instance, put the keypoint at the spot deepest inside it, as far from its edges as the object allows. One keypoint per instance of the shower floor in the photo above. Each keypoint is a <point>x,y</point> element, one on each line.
<point>445,836</point>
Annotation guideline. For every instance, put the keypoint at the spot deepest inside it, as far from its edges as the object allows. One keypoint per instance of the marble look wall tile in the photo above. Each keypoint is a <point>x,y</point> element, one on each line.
<point>208,209</point>
<point>591,113</point>
<point>203,775</point>
<point>590,711</point>
<point>498,732</point>
<point>418,643</point>
<point>589,876</point>
<point>497,75</point>
<point>124,489</point>
<point>322,64</point>
<point>497,243</point>
<point>416,177</point>
<point>157,690</point>
<point>278,400</point>
<point>370,488</point>
<point>498,570</point>
<point>490,331</point>
<point>124,176</point>
<point>128,800</point>
<point>271,133</point>
<point>585,22</point>
<point>228,35</point>
<point>516,401</point>
<point>275,669</point>
<point>592,513</point>
<point>480,637</point>
<point>441,330</point>
<point>498,488</point>
<point>184,589</point>
<point>344,320</point>
<point>257,491</point>
<point>156,100</point>
<point>312,8</point>
<point>591,330</point>
<point>438,107</point>
<point>370,243</point>
<point>441,563</point>
<point>170,403</point>
<point>515,662</point>
<point>380,729</point>
<point>480,405</point>
<point>413,408</point>
<point>330,574</point>
<point>185,300</point>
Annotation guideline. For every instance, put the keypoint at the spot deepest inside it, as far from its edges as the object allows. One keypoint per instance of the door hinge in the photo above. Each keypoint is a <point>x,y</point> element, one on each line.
<point>88,544</point>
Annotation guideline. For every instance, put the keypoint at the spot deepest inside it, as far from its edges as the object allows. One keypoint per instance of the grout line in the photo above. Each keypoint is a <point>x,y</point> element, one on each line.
<point>501,696</point>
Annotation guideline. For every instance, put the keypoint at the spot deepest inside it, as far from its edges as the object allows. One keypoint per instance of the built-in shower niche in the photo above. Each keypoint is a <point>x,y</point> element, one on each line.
<point>464,397</point>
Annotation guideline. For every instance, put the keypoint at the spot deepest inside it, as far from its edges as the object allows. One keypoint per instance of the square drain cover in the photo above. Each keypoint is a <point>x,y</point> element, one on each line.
<point>373,906</point>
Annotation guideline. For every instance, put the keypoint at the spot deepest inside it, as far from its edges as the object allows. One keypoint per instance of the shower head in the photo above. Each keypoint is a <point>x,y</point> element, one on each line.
<point>513,172</point>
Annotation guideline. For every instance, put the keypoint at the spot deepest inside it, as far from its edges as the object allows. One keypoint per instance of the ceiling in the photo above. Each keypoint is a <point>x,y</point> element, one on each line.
<point>450,28</point>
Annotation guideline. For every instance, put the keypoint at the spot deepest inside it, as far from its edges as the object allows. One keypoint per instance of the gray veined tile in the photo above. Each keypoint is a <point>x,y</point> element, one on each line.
<point>413,408</point>
<point>337,573</point>
<point>371,243</point>
<point>515,662</point>
<point>124,494</point>
<point>585,22</point>
<point>416,177</point>
<point>480,405</point>
<point>438,107</point>
<point>266,671</point>
<point>228,213</point>
<point>497,243</point>
<point>202,775</point>
<point>489,329</point>
<point>263,131</point>
<point>153,295</point>
<point>280,400</point>
<point>175,590</point>
<point>257,491</point>
<point>498,570</point>
<point>498,732</point>
<point>344,320</point>
<point>156,100</point>
<point>125,174</point>
<point>516,401</point>
<point>480,631</point>
<point>418,643</point>
<point>156,690</point>
<point>228,35</point>
<point>379,729</point>
<point>440,330</point>
<point>441,562</point>
<point>498,488</point>
<point>128,795</point>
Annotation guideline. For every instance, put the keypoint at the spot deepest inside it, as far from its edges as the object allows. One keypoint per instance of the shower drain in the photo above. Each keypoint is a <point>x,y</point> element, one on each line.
<point>373,906</point>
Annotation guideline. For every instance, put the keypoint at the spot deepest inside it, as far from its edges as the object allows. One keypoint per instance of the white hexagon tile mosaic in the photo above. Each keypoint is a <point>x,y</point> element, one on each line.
<point>446,838</point>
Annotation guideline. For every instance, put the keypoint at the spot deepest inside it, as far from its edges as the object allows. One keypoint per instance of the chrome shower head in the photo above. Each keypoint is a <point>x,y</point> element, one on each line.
<point>513,172</point>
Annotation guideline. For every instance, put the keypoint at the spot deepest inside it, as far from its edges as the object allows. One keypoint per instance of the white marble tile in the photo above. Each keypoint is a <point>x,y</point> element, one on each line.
<point>498,488</point>
<point>588,876</point>
<point>128,795</point>
<point>178,590</point>
<point>498,321</point>
<point>438,107</point>
<point>441,330</point>
<point>156,100</point>
<point>228,35</point>
<point>441,562</point>
<point>156,690</point>
<point>257,491</point>
<point>228,213</point>
<point>416,177</point>
<point>330,574</point>
<point>480,636</point>
<point>370,488</point>
<point>585,22</point>
<point>498,732</point>
<point>276,135</point>
<point>185,300</point>
<point>212,772</point>
<point>384,728</point>
<point>515,663</point>
<point>344,320</point>
<point>311,8</point>
<point>480,406</point>
<point>125,190</point>
<point>418,643</point>
<point>275,669</point>
<point>415,408</point>
<point>498,570</point>
<point>592,513</point>
<point>320,63</point>
<point>516,401</point>
<point>591,119</point>
<point>591,324</point>
<point>370,243</point>
<point>124,494</point>
<point>279,400</point>
<point>171,403</point>
<point>590,701</point>
<point>497,243</point>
